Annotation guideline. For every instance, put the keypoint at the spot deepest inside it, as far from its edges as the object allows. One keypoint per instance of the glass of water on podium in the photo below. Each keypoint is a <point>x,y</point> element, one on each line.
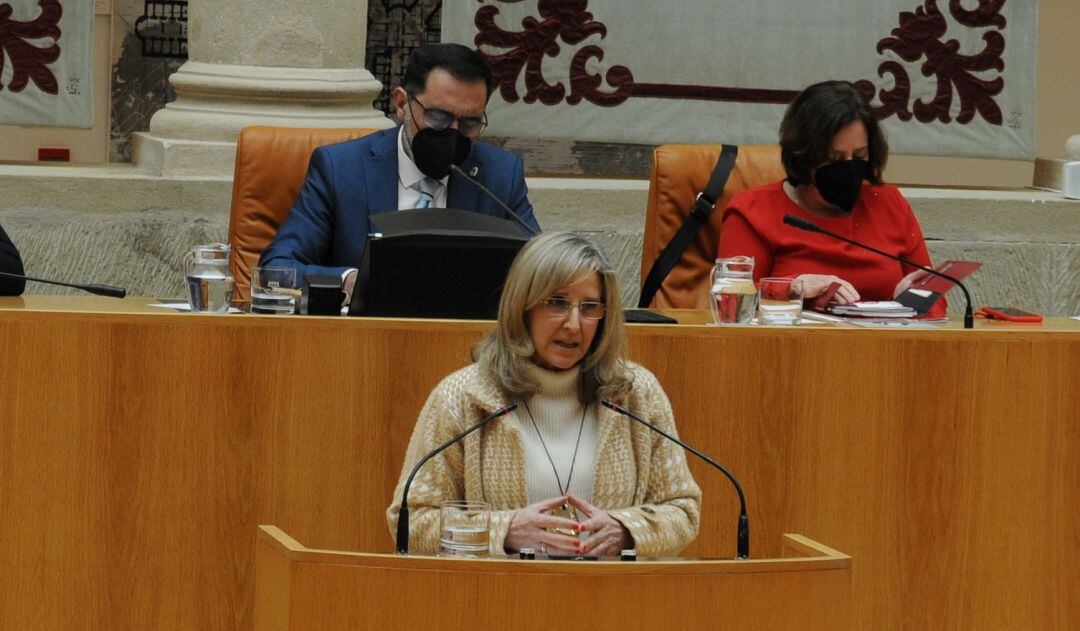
<point>464,529</point>
<point>273,290</point>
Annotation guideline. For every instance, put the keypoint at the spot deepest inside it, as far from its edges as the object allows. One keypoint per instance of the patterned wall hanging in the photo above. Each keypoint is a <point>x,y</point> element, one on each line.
<point>948,77</point>
<point>45,55</point>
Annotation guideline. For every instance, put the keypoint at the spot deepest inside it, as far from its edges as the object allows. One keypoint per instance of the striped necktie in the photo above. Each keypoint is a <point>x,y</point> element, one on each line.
<point>428,187</point>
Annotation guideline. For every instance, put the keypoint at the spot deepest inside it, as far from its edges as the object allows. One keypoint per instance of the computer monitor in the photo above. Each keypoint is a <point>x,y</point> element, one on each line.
<point>435,263</point>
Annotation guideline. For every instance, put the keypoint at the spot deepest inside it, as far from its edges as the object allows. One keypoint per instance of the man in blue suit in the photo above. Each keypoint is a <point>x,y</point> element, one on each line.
<point>441,105</point>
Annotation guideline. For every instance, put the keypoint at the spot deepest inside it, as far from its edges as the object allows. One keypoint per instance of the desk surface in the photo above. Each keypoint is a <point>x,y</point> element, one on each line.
<point>139,451</point>
<point>691,317</point>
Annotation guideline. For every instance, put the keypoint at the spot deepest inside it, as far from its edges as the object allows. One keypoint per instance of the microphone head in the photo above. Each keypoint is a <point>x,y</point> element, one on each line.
<point>801,224</point>
<point>107,290</point>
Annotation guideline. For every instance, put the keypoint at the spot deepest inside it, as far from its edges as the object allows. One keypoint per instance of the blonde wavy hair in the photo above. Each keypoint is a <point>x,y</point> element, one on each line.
<point>546,264</point>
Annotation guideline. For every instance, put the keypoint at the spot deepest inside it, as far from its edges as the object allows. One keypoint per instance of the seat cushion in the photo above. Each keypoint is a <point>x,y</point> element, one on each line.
<point>679,173</point>
<point>271,163</point>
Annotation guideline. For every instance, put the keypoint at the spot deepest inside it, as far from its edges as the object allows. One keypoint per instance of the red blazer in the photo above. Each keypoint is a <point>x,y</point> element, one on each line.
<point>753,225</point>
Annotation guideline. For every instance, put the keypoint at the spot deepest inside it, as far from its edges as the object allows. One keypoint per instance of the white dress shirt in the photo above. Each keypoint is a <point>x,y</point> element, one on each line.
<point>409,176</point>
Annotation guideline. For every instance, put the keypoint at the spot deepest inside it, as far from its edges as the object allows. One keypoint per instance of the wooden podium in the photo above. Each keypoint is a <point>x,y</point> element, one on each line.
<point>297,588</point>
<point>136,443</point>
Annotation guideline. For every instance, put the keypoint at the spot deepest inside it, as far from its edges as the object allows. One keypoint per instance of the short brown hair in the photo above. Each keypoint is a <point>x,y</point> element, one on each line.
<point>816,115</point>
<point>462,62</point>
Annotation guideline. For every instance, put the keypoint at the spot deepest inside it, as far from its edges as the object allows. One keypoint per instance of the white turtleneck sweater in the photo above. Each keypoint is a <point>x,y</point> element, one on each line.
<point>557,412</point>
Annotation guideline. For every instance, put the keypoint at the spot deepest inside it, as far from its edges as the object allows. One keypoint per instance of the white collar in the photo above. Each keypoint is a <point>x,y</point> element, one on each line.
<point>408,173</point>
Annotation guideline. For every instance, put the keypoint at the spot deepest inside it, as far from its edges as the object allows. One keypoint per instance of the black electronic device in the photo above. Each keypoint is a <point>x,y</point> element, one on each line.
<point>644,316</point>
<point>435,263</point>
<point>321,294</point>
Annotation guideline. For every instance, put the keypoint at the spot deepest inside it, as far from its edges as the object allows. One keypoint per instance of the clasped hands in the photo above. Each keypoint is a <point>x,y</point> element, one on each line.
<point>534,527</point>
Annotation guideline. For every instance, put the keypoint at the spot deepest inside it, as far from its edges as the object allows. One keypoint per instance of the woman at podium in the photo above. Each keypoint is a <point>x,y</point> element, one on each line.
<point>563,475</point>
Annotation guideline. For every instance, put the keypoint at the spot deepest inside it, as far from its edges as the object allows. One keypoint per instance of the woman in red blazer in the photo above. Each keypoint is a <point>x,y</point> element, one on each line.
<point>834,153</point>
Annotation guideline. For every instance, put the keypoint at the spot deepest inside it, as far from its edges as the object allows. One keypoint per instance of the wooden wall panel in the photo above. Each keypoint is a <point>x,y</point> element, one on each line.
<point>138,453</point>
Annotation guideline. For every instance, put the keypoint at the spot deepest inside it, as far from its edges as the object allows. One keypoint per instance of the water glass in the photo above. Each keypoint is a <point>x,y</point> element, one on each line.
<point>273,290</point>
<point>734,305</point>
<point>780,301</point>
<point>464,529</point>
<point>209,281</point>
<point>209,292</point>
<point>734,296</point>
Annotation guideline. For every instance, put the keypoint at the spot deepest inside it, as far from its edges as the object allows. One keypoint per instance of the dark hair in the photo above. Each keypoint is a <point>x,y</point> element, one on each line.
<point>462,62</point>
<point>816,115</point>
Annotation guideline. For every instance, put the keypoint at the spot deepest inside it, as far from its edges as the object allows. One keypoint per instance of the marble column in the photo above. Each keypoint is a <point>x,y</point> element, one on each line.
<point>272,62</point>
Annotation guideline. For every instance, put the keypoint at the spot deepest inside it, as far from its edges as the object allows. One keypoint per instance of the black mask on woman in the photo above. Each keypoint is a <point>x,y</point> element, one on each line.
<point>840,182</point>
<point>434,151</point>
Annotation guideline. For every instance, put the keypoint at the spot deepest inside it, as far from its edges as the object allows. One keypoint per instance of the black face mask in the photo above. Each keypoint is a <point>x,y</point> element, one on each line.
<point>840,182</point>
<point>434,151</point>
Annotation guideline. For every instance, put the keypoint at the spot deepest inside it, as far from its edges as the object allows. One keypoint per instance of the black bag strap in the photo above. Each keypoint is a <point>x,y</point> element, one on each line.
<point>699,215</point>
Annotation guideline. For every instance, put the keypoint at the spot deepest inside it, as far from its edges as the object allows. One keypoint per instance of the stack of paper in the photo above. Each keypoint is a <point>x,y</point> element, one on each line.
<point>875,309</point>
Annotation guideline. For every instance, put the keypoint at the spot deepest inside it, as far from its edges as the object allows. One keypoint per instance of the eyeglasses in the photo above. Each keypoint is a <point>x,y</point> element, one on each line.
<point>559,307</point>
<point>440,120</point>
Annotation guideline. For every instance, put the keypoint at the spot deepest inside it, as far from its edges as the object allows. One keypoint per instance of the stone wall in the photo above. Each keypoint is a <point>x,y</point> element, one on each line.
<point>1029,241</point>
<point>140,81</point>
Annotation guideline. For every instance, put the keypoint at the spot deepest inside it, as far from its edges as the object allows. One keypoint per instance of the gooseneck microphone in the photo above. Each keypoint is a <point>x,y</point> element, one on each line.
<point>495,198</point>
<point>743,533</point>
<point>809,226</point>
<point>403,514</point>
<point>97,290</point>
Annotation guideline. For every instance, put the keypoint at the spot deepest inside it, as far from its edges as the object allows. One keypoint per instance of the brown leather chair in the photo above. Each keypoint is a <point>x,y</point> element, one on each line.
<point>270,166</point>
<point>679,173</point>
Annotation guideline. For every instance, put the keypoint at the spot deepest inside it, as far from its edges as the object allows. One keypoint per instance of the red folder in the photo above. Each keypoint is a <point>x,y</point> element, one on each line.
<point>821,303</point>
<point>957,269</point>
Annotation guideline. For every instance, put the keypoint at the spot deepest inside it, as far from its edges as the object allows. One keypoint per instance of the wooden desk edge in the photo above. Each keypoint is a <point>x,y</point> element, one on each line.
<point>692,323</point>
<point>813,556</point>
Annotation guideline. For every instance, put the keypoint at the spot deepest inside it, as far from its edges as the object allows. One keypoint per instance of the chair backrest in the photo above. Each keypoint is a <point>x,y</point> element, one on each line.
<point>679,173</point>
<point>271,163</point>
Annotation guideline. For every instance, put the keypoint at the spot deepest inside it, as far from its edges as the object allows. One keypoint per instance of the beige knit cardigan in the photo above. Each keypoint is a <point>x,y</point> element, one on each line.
<point>641,479</point>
